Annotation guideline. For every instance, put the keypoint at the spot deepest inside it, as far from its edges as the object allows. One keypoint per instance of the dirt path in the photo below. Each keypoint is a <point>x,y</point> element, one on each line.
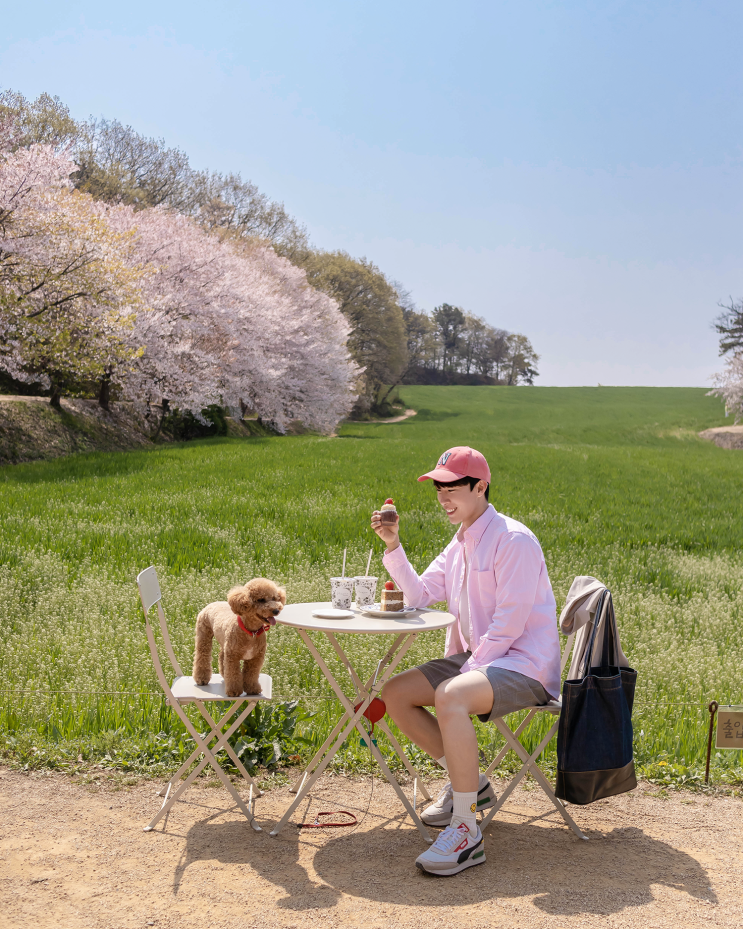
<point>76,857</point>
<point>724,436</point>
<point>396,419</point>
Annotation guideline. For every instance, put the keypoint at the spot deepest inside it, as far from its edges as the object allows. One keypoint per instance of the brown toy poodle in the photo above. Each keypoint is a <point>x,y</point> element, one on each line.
<point>240,626</point>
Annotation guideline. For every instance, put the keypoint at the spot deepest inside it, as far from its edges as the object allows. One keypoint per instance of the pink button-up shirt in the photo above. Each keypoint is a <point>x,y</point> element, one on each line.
<point>512,613</point>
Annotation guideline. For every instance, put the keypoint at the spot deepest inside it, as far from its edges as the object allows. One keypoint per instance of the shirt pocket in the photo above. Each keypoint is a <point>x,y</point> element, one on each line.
<point>484,588</point>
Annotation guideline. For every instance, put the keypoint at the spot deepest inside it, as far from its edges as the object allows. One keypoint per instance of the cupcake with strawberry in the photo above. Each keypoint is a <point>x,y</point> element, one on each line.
<point>389,511</point>
<point>392,601</point>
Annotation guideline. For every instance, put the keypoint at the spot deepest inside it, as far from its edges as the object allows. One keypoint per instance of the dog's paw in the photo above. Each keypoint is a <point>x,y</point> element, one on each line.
<point>253,687</point>
<point>202,680</point>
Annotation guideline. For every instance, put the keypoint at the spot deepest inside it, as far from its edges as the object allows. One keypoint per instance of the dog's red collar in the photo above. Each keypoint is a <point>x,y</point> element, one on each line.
<point>250,631</point>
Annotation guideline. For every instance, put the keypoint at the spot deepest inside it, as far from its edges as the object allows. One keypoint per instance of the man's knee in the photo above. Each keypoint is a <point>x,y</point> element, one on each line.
<point>450,701</point>
<point>393,693</point>
<point>405,691</point>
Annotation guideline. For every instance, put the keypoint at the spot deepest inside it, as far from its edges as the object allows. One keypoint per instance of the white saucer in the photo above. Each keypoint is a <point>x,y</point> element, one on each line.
<point>388,614</point>
<point>333,614</point>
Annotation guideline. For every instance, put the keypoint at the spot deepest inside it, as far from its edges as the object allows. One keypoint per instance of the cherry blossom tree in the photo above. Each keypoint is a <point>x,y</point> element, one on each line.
<point>729,386</point>
<point>150,302</point>
<point>68,289</point>
<point>234,324</point>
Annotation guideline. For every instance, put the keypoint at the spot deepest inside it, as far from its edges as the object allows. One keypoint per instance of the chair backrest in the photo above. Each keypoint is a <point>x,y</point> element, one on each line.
<point>566,651</point>
<point>149,587</point>
<point>150,594</point>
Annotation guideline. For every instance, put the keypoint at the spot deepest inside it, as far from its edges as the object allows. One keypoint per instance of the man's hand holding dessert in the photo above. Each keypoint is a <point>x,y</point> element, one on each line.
<point>386,523</point>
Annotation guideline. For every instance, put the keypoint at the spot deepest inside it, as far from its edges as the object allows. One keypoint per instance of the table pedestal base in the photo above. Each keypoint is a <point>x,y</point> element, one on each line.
<point>351,719</point>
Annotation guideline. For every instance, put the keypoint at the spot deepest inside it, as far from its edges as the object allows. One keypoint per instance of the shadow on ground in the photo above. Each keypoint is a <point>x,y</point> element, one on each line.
<point>525,859</point>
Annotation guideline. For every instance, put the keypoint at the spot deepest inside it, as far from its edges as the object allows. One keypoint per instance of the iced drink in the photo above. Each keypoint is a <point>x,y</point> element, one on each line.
<point>341,592</point>
<point>366,590</point>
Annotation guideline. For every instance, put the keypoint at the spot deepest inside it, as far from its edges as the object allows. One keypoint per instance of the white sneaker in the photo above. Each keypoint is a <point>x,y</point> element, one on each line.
<point>455,849</point>
<point>440,811</point>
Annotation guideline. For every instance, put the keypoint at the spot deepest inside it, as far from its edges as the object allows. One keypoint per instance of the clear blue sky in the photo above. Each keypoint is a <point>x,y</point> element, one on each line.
<point>570,170</point>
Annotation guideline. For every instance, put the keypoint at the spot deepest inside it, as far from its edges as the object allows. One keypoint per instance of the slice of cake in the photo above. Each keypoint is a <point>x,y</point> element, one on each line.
<point>392,600</point>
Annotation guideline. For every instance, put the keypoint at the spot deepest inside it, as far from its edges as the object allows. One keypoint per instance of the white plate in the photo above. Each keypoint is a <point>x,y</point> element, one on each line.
<point>333,614</point>
<point>388,614</point>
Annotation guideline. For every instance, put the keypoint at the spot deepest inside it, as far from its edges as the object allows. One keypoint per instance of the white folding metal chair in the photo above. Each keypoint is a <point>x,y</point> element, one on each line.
<point>529,765</point>
<point>184,690</point>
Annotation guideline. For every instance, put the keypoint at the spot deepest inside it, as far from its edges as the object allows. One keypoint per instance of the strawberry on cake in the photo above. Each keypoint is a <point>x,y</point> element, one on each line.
<point>392,601</point>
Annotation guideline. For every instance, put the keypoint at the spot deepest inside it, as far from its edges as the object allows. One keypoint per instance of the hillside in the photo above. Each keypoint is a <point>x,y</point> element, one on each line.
<point>30,430</point>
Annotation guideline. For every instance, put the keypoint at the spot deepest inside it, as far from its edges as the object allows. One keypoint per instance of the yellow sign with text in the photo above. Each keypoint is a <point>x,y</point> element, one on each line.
<point>730,727</point>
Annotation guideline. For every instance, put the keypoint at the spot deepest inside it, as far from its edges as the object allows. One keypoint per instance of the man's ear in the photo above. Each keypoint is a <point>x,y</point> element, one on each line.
<point>239,600</point>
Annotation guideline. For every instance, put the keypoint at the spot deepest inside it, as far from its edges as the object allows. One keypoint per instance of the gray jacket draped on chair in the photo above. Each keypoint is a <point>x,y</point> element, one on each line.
<point>578,616</point>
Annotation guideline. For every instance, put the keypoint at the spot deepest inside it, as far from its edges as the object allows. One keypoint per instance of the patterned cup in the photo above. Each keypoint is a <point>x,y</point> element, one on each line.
<point>341,592</point>
<point>366,590</point>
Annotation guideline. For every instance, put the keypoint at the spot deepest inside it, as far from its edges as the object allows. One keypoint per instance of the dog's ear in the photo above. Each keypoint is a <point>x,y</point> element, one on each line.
<point>239,600</point>
<point>282,595</point>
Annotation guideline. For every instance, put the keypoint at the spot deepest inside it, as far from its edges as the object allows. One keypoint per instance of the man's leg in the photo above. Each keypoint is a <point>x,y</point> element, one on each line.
<point>461,844</point>
<point>456,700</point>
<point>406,695</point>
<point>451,730</point>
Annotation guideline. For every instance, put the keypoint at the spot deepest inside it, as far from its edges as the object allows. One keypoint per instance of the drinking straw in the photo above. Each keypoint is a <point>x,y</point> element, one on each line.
<point>368,564</point>
<point>343,572</point>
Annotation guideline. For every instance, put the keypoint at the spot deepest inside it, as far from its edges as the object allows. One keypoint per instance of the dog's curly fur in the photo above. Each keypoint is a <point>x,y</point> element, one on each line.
<point>258,603</point>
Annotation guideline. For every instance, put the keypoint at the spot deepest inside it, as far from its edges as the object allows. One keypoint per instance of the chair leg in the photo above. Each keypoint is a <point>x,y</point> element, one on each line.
<point>533,768</point>
<point>187,783</point>
<point>216,728</point>
<point>209,758</point>
<point>529,766</point>
<point>507,748</point>
<point>223,743</point>
<point>228,748</point>
<point>170,800</point>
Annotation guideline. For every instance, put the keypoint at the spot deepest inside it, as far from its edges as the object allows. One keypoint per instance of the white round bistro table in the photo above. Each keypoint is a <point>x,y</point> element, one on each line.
<point>405,628</point>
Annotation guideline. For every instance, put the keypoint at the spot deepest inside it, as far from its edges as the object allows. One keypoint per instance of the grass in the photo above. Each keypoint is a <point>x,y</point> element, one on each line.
<point>614,481</point>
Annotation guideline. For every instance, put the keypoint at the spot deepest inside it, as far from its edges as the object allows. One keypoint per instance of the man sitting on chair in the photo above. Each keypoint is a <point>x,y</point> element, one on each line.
<point>502,654</point>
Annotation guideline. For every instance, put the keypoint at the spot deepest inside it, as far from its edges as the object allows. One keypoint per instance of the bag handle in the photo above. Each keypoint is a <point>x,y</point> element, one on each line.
<point>604,613</point>
<point>611,619</point>
<point>591,644</point>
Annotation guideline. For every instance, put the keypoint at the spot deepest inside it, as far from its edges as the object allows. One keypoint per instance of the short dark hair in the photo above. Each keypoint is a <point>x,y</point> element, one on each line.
<point>472,481</point>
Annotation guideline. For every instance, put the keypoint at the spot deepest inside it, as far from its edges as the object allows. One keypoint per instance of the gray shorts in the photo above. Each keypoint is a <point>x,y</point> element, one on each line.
<point>511,691</point>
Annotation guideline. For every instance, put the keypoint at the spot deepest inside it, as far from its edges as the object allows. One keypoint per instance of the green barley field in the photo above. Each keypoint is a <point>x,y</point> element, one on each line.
<point>614,482</point>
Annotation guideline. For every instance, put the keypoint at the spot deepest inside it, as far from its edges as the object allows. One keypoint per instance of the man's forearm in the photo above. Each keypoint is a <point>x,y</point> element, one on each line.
<point>419,591</point>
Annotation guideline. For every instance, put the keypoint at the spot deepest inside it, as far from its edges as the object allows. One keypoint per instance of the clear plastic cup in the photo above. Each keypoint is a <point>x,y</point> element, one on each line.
<point>341,592</point>
<point>366,590</point>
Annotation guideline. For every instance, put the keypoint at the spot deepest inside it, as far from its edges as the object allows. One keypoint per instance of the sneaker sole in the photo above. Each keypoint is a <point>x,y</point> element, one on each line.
<point>477,858</point>
<point>443,819</point>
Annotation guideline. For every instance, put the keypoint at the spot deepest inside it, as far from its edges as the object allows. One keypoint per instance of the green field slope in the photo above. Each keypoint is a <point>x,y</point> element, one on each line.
<point>614,482</point>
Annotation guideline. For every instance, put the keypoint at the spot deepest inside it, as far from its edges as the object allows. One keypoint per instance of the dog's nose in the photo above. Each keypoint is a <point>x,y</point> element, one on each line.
<point>275,612</point>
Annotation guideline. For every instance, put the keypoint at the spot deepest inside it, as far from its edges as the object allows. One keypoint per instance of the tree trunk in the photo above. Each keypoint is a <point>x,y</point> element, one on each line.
<point>165,410</point>
<point>397,383</point>
<point>55,399</point>
<point>104,395</point>
<point>159,427</point>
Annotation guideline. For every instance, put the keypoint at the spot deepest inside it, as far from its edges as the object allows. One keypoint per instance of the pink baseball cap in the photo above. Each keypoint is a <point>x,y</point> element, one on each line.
<point>458,462</point>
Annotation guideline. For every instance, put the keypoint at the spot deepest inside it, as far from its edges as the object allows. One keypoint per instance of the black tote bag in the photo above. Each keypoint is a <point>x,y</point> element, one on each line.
<point>594,738</point>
